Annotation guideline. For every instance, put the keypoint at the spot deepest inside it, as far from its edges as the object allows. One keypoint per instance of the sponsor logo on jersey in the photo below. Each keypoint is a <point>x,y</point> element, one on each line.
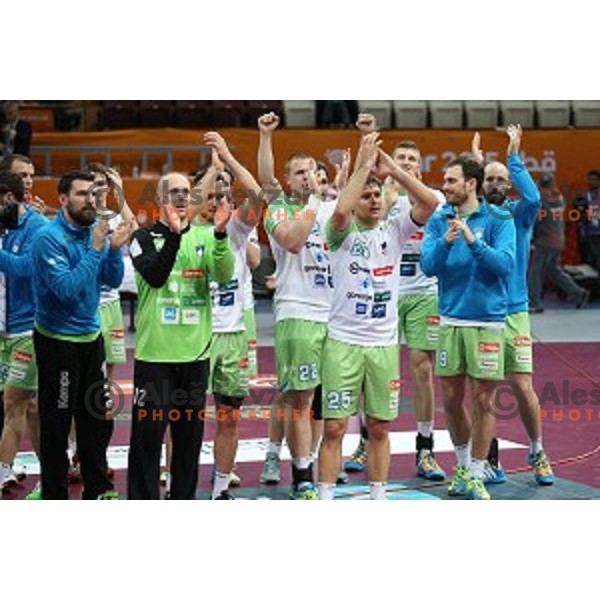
<point>190,317</point>
<point>229,286</point>
<point>522,341</point>
<point>383,296</point>
<point>395,385</point>
<point>193,301</point>
<point>417,235</point>
<point>24,357</point>
<point>174,301</point>
<point>478,232</point>
<point>320,279</point>
<point>432,319</point>
<point>15,247</point>
<point>365,284</point>
<point>408,270</point>
<point>383,271</point>
<point>361,308</point>
<point>309,268</point>
<point>355,268</point>
<point>353,295</point>
<point>523,359</point>
<point>489,347</point>
<point>226,299</point>
<point>194,273</point>
<point>379,311</point>
<point>360,248</point>
<point>199,249</point>
<point>169,315</point>
<point>243,364</point>
<point>117,334</point>
<point>252,344</point>
<point>410,258</point>
<point>488,365</point>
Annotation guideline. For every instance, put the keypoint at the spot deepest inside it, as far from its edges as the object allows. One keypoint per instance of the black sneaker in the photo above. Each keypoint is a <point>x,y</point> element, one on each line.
<point>224,495</point>
<point>583,300</point>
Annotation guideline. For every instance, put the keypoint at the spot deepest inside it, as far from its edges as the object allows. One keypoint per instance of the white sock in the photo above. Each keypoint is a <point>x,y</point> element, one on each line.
<point>535,446</point>
<point>221,483</point>
<point>425,428</point>
<point>476,468</point>
<point>326,491</point>
<point>4,471</point>
<point>274,448</point>
<point>302,463</point>
<point>463,455</point>
<point>377,490</point>
<point>312,457</point>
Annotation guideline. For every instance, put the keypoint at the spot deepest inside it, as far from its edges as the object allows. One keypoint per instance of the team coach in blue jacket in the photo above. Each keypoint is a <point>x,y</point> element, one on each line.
<point>470,248</point>
<point>72,258</point>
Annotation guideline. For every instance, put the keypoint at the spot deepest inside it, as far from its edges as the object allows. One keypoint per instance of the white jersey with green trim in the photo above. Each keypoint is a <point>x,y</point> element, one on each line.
<point>365,297</point>
<point>108,294</point>
<point>248,296</point>
<point>412,279</point>
<point>303,281</point>
<point>228,298</point>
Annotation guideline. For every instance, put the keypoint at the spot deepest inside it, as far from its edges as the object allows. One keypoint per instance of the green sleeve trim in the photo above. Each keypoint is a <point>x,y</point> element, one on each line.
<point>336,238</point>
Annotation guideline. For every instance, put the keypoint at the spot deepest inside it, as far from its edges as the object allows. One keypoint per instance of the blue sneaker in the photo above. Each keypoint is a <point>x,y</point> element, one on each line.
<point>356,463</point>
<point>428,468</point>
<point>458,485</point>
<point>541,468</point>
<point>306,491</point>
<point>493,474</point>
<point>476,490</point>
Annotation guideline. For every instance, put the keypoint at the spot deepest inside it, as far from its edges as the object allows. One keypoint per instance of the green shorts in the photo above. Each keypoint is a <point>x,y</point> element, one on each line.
<point>418,319</point>
<point>250,323</point>
<point>475,351</point>
<point>18,367</point>
<point>111,326</point>
<point>518,353</point>
<point>229,365</point>
<point>298,348</point>
<point>349,370</point>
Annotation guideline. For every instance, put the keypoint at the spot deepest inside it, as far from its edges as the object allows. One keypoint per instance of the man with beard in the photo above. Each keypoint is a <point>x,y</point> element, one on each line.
<point>471,251</point>
<point>518,356</point>
<point>71,261</point>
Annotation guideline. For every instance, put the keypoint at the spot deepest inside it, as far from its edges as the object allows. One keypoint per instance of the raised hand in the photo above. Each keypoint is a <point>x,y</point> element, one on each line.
<point>368,151</point>
<point>515,133</point>
<point>476,148</point>
<point>342,170</point>
<point>99,234</point>
<point>216,162</point>
<point>366,123</point>
<point>268,122</point>
<point>217,142</point>
<point>122,234</point>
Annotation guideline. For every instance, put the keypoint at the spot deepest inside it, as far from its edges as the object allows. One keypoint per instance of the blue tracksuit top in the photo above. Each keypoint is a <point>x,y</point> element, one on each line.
<point>525,212</point>
<point>68,274</point>
<point>472,279</point>
<point>15,263</point>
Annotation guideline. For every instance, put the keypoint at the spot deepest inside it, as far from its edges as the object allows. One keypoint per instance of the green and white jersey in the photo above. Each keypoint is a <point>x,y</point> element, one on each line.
<point>304,280</point>
<point>228,299</point>
<point>108,294</point>
<point>412,279</point>
<point>367,280</point>
<point>248,296</point>
<point>174,315</point>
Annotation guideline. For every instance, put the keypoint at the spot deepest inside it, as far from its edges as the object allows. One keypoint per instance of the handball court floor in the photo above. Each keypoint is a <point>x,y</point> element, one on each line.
<point>567,380</point>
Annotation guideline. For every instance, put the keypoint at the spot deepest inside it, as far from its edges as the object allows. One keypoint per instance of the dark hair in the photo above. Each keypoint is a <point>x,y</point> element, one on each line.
<point>97,167</point>
<point>7,163</point>
<point>471,169</point>
<point>372,180</point>
<point>199,176</point>
<point>322,167</point>
<point>11,182</point>
<point>66,181</point>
